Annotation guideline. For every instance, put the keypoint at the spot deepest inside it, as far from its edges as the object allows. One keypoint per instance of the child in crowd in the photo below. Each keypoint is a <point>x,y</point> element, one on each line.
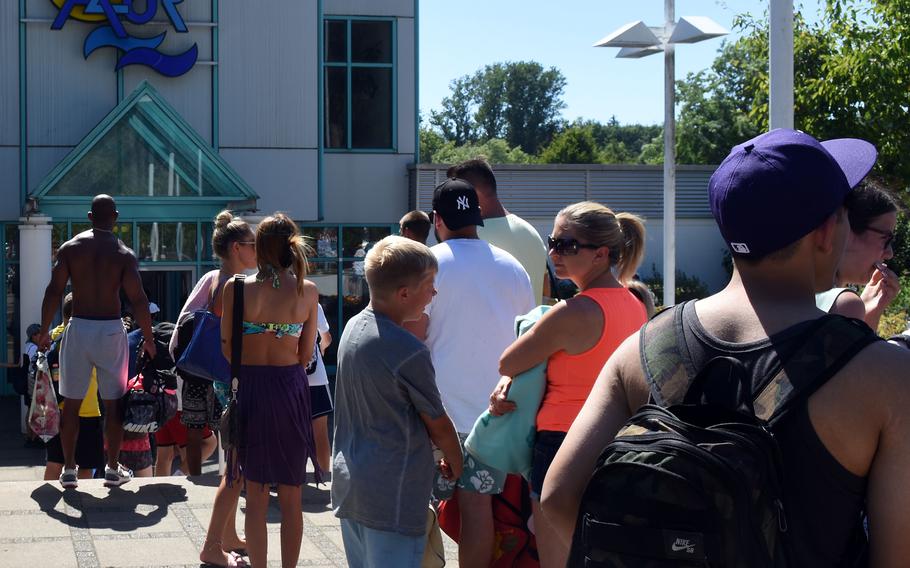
<point>388,411</point>
<point>90,443</point>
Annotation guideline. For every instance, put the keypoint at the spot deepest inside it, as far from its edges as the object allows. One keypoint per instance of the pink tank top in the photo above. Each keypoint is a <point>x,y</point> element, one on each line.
<point>570,378</point>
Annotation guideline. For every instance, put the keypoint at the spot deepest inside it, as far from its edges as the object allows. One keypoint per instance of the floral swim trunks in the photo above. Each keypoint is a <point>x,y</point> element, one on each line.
<point>476,477</point>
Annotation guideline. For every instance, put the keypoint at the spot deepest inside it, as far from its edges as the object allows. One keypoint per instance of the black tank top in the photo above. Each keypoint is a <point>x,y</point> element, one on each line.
<point>824,501</point>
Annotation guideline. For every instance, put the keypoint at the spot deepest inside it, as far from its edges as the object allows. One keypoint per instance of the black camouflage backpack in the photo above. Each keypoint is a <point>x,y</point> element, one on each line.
<point>696,480</point>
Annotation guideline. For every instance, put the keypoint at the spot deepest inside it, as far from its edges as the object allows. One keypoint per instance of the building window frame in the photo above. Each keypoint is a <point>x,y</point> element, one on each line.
<point>349,66</point>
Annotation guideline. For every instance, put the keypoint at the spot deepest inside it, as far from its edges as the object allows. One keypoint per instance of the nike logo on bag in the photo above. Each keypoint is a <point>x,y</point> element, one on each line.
<point>682,544</point>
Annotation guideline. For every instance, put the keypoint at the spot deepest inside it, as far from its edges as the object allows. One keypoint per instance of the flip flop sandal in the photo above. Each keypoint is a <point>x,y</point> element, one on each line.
<point>240,552</point>
<point>237,561</point>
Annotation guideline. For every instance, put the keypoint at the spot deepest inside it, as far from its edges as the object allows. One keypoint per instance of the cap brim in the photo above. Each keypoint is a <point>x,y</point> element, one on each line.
<point>854,156</point>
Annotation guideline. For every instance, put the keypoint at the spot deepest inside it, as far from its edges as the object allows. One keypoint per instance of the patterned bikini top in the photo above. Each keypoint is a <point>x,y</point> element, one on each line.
<point>279,329</point>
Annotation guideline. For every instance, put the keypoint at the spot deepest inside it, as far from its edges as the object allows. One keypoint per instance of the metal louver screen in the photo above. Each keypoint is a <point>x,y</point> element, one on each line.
<point>541,191</point>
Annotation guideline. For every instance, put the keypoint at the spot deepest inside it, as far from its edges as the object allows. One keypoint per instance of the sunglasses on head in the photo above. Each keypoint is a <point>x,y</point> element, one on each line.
<point>567,247</point>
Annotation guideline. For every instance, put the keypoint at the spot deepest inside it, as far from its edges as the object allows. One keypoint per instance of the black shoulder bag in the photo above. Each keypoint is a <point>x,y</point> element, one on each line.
<point>229,426</point>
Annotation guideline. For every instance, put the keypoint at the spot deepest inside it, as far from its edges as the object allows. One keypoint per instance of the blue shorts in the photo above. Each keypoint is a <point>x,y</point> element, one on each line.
<point>371,548</point>
<point>545,447</point>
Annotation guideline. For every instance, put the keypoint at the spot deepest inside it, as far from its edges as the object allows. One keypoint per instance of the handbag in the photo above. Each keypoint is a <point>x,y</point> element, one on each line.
<point>229,427</point>
<point>202,357</point>
<point>43,413</point>
<point>146,411</point>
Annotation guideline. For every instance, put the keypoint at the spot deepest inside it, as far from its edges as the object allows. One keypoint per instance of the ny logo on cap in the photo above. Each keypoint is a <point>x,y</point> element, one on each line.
<point>462,203</point>
<point>741,248</point>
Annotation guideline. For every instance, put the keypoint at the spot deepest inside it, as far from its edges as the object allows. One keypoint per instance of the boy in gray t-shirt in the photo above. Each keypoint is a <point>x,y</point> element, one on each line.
<point>387,413</point>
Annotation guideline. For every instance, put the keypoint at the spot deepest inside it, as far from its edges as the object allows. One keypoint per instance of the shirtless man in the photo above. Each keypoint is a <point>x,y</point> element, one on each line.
<point>98,264</point>
<point>778,201</point>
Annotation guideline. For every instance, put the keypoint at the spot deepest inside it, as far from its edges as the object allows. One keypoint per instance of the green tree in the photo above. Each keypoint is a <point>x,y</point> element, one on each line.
<point>574,145</point>
<point>430,142</point>
<point>519,102</point>
<point>495,151</point>
<point>456,121</point>
<point>851,79</point>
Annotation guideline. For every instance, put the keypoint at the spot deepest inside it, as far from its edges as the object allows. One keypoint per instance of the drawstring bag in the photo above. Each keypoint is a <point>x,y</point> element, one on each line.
<point>43,413</point>
<point>145,412</point>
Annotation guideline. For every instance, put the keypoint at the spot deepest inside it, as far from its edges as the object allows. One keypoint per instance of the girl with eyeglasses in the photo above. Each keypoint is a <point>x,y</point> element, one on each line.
<point>189,433</point>
<point>599,251</point>
<point>872,211</point>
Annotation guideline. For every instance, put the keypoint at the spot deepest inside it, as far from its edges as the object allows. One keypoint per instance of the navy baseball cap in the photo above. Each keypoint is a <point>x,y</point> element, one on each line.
<point>456,202</point>
<point>778,187</point>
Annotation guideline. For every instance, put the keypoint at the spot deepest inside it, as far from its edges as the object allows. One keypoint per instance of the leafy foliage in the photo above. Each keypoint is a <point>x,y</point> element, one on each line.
<point>687,287</point>
<point>495,151</point>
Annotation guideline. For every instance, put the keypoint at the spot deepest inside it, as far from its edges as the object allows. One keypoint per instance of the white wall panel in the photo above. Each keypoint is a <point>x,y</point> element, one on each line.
<point>190,94</point>
<point>9,183</point>
<point>40,163</point>
<point>407,75</point>
<point>9,73</point>
<point>67,95</point>
<point>268,74</point>
<point>365,188</point>
<point>369,8</point>
<point>286,180</point>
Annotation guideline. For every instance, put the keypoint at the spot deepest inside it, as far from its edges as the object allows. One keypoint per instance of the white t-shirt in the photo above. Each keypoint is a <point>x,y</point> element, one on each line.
<point>520,239</point>
<point>481,289</point>
<point>319,376</point>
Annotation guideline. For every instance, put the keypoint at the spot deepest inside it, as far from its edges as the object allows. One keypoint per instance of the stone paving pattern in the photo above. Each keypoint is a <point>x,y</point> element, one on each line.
<point>153,522</point>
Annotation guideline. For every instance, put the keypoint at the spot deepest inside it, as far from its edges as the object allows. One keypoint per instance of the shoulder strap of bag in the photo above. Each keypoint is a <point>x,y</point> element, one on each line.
<point>829,345</point>
<point>665,357</point>
<point>237,327</point>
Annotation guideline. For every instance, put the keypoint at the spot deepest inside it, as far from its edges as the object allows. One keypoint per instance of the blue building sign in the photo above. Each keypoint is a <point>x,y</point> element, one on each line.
<point>133,50</point>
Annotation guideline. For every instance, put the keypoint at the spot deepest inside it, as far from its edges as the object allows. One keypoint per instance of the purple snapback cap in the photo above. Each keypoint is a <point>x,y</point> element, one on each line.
<point>778,187</point>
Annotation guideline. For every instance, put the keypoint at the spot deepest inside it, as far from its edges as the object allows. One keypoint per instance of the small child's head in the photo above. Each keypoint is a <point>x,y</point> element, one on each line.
<point>32,332</point>
<point>415,225</point>
<point>67,309</point>
<point>400,273</point>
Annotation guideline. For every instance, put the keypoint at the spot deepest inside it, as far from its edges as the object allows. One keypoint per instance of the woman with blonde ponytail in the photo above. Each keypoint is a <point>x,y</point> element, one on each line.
<point>599,251</point>
<point>273,398</point>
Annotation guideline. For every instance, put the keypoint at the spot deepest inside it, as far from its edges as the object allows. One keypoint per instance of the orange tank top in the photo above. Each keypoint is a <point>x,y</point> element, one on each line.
<point>570,378</point>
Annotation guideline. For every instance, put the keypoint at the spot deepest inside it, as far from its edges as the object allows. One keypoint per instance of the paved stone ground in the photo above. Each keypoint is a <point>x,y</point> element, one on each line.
<point>152,522</point>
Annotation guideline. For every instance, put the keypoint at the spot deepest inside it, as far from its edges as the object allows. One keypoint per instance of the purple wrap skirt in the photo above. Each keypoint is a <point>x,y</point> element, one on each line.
<point>276,431</point>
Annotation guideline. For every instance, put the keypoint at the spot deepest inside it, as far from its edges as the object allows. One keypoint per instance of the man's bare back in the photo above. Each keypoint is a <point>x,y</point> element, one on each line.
<point>98,263</point>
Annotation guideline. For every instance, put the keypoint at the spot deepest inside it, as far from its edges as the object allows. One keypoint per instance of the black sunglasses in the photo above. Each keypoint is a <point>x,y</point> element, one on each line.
<point>889,236</point>
<point>567,247</point>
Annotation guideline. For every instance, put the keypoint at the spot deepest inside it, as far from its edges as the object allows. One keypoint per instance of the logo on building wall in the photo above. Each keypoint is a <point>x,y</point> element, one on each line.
<point>134,50</point>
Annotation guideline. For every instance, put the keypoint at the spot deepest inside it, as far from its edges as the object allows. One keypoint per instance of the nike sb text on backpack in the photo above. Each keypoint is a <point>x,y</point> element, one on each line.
<point>699,483</point>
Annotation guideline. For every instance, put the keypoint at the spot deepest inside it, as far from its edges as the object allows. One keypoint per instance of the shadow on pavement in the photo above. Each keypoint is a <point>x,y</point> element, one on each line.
<point>116,511</point>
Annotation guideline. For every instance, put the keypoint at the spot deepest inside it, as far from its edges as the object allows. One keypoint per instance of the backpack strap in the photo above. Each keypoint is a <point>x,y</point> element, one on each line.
<point>830,344</point>
<point>829,347</point>
<point>665,357</point>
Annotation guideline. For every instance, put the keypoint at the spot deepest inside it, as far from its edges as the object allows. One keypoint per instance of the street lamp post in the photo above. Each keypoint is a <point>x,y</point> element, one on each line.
<point>637,40</point>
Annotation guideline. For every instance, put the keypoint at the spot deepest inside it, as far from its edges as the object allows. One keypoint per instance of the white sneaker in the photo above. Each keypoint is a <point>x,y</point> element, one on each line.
<point>117,477</point>
<point>70,478</point>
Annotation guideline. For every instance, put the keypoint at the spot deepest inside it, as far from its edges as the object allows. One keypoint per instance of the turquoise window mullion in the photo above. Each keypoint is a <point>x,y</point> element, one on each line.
<point>350,127</point>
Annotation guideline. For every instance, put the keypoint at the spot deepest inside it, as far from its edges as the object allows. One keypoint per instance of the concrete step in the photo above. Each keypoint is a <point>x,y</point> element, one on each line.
<point>151,522</point>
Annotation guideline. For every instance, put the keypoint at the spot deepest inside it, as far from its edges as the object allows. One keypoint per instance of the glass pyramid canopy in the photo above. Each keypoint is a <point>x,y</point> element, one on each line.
<point>144,152</point>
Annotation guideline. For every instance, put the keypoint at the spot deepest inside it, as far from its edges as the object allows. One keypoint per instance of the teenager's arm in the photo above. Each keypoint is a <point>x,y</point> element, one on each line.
<point>307,342</point>
<point>442,433</point>
<point>606,410</point>
<point>418,327</point>
<point>889,475</point>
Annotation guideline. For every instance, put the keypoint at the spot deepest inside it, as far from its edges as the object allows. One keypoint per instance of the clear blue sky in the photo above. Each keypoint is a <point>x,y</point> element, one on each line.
<point>457,38</point>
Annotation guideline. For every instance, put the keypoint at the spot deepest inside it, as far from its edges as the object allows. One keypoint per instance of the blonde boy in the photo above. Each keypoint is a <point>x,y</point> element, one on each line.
<point>387,413</point>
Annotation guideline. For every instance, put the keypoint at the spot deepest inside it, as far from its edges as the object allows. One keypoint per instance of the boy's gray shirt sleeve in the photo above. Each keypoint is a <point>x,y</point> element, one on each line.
<point>418,378</point>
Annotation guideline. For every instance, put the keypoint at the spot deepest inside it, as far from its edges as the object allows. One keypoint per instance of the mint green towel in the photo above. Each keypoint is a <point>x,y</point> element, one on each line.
<point>507,442</point>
